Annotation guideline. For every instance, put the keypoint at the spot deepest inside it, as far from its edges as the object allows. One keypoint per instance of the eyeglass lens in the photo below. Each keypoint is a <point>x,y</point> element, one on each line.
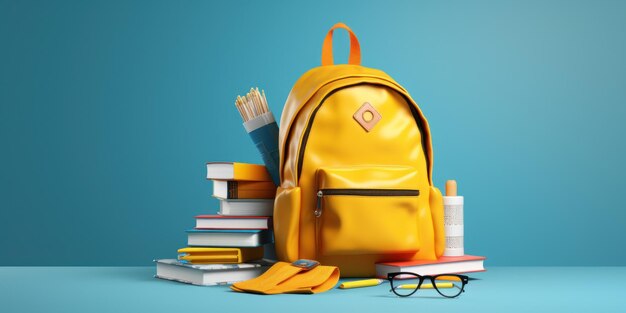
<point>405,284</point>
<point>448,285</point>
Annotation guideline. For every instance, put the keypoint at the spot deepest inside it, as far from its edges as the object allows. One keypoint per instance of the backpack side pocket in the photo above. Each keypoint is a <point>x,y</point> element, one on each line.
<point>287,223</point>
<point>436,211</point>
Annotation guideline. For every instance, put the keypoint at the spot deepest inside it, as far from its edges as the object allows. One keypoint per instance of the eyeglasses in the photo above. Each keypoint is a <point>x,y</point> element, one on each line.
<point>405,284</point>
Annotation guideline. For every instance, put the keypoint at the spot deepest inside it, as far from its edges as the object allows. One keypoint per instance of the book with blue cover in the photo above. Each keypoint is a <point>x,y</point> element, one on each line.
<point>229,237</point>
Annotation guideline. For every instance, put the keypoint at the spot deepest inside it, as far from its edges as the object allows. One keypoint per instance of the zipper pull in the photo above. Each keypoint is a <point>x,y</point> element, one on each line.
<point>318,210</point>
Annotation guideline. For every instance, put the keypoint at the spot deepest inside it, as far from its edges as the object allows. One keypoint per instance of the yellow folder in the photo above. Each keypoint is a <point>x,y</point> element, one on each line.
<point>200,255</point>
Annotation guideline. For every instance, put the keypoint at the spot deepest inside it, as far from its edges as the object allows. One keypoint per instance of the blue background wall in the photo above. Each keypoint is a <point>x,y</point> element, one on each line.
<point>109,110</point>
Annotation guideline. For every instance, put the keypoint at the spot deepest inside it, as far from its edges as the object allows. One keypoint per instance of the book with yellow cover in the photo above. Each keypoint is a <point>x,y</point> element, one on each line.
<point>237,171</point>
<point>207,255</point>
<point>232,189</point>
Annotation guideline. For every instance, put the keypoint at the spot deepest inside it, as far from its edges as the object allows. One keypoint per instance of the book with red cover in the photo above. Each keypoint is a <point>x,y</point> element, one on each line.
<point>232,222</point>
<point>443,265</point>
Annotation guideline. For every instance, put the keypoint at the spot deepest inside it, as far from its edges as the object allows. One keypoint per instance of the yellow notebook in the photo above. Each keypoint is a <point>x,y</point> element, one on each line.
<point>237,171</point>
<point>200,255</point>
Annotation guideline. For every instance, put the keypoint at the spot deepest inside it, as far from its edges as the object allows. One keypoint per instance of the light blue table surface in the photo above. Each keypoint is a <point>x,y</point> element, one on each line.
<point>133,289</point>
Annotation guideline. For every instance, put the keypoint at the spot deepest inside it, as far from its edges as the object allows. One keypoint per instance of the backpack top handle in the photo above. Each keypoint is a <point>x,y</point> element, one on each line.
<point>327,47</point>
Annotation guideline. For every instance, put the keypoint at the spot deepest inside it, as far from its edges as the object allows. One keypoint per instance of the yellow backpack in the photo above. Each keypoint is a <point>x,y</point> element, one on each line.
<point>356,170</point>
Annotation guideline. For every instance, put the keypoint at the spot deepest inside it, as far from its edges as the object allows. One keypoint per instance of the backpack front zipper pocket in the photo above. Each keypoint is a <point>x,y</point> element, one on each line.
<point>362,192</point>
<point>377,214</point>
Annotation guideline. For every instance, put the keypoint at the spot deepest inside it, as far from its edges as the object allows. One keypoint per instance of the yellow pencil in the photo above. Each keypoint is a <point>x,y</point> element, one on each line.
<point>361,283</point>
<point>426,286</point>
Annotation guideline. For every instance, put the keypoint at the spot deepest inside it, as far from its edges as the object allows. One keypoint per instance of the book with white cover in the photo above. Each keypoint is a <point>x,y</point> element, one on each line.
<point>247,207</point>
<point>228,237</point>
<point>209,274</point>
<point>232,222</point>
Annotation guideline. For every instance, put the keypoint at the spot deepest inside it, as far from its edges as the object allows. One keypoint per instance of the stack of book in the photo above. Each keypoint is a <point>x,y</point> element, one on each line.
<point>230,246</point>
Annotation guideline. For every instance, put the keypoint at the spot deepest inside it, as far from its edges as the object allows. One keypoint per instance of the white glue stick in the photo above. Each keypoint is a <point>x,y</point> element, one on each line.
<point>453,220</point>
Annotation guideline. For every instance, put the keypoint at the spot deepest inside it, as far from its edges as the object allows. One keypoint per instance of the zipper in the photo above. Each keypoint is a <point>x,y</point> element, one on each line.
<point>307,131</point>
<point>362,192</point>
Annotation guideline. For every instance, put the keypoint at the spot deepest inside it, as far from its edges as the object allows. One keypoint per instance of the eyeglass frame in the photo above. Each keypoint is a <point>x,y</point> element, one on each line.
<point>390,276</point>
